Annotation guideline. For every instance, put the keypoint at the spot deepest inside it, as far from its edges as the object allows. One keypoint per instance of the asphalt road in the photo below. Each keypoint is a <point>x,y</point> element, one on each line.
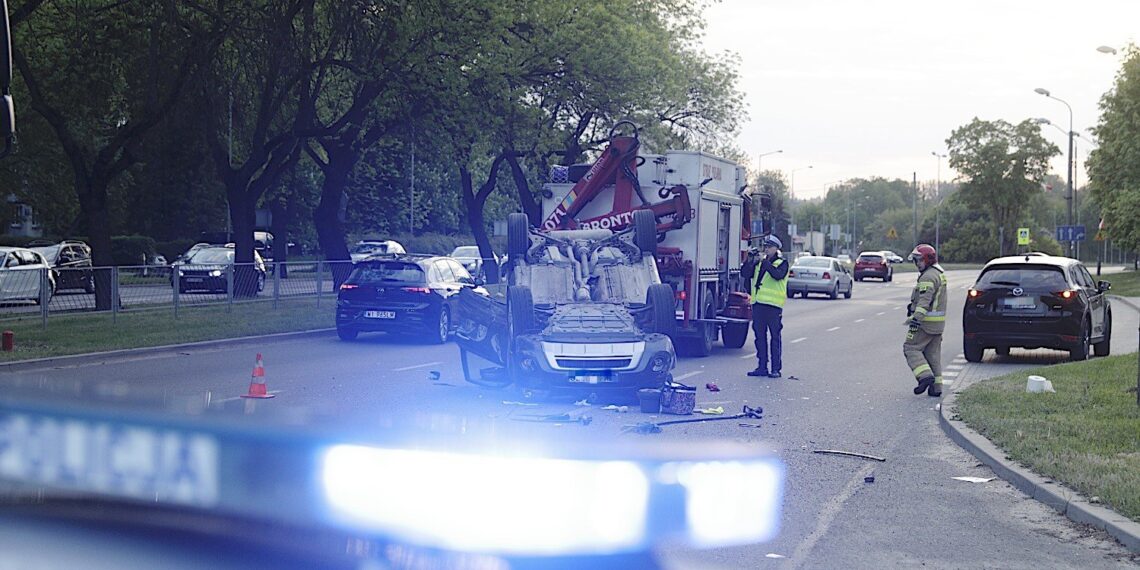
<point>845,386</point>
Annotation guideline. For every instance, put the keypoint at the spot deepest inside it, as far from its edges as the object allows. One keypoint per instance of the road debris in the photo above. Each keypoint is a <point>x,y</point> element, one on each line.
<point>712,411</point>
<point>849,453</point>
<point>433,375</point>
<point>750,425</point>
<point>651,427</point>
<point>642,427</point>
<point>619,409</point>
<point>582,403</point>
<point>554,419</point>
<point>975,479</point>
<point>774,555</point>
<point>712,387</point>
<point>443,384</point>
<point>514,403</point>
<point>869,479</point>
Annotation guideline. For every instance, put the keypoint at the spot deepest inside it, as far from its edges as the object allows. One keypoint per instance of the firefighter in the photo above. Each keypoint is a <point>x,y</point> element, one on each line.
<point>769,290</point>
<point>926,320</point>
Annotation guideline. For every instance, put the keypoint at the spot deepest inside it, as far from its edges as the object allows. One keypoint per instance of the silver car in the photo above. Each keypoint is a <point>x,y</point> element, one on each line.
<point>820,274</point>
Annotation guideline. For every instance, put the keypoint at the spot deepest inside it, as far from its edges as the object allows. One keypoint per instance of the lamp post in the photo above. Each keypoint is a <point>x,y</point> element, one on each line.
<point>1069,164</point>
<point>762,155</point>
<point>792,187</point>
<point>938,195</point>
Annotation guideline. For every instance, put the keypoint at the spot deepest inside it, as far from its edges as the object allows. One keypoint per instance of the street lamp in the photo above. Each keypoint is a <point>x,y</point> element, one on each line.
<point>938,195</point>
<point>1106,49</point>
<point>1069,165</point>
<point>792,187</point>
<point>762,155</point>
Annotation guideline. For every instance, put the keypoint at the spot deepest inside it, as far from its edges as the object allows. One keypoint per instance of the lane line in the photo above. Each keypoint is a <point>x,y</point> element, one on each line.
<point>802,338</point>
<point>235,398</point>
<point>800,556</point>
<point>688,374</point>
<point>406,368</point>
<point>881,313</point>
<point>746,356</point>
<point>859,320</point>
<point>832,329</point>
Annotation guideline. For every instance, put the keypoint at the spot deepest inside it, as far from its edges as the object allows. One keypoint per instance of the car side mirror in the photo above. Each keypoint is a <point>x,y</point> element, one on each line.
<point>478,282</point>
<point>1103,286</point>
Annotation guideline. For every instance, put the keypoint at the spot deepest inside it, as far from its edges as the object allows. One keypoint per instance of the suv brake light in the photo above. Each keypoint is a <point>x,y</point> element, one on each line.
<point>974,292</point>
<point>416,290</point>
<point>348,286</point>
<point>1067,294</point>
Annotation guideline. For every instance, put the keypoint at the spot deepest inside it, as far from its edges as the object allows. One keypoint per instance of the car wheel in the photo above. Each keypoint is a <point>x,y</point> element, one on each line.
<point>520,313</point>
<point>89,284</point>
<point>443,327</point>
<point>1103,347</point>
<point>734,335</point>
<point>834,292</point>
<point>973,352</point>
<point>661,304</point>
<point>346,333</point>
<point>518,235</point>
<point>1081,351</point>
<point>850,287</point>
<point>791,294</point>
<point>890,276</point>
<point>260,282</point>
<point>645,231</point>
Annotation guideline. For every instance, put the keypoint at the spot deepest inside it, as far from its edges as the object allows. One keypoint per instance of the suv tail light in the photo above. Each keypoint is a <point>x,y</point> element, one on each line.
<point>348,286</point>
<point>1067,294</point>
<point>974,293</point>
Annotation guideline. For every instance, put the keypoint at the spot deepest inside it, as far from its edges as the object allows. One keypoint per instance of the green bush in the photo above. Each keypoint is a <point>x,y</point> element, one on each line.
<point>131,250</point>
<point>172,249</point>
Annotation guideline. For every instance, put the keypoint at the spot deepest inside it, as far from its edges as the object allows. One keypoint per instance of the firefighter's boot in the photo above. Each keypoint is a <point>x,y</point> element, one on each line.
<point>924,384</point>
<point>935,389</point>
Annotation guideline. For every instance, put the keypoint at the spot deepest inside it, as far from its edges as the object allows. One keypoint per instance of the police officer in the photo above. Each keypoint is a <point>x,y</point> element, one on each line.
<point>926,320</point>
<point>769,290</point>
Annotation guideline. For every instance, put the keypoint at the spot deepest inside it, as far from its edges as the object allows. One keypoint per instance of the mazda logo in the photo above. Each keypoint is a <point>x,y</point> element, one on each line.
<point>1018,291</point>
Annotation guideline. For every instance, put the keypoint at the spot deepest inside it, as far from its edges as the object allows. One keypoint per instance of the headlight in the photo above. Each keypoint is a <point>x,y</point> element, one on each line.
<point>662,362</point>
<point>216,273</point>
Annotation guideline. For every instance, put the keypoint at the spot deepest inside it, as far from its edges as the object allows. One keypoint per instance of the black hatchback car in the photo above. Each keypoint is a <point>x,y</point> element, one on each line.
<point>70,263</point>
<point>1035,301</point>
<point>401,293</point>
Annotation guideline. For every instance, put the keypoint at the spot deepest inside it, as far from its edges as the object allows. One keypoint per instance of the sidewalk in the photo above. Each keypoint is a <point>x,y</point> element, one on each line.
<point>1062,499</point>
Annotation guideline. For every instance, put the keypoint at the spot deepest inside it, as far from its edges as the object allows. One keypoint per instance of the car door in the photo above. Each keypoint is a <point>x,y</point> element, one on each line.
<point>842,276</point>
<point>1098,300</point>
<point>28,275</point>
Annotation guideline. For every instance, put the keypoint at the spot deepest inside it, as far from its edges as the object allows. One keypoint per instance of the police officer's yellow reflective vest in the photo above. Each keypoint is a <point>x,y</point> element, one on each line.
<point>768,290</point>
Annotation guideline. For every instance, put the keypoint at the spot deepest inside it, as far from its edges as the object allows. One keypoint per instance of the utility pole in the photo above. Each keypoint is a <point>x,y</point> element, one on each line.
<point>412,189</point>
<point>914,185</point>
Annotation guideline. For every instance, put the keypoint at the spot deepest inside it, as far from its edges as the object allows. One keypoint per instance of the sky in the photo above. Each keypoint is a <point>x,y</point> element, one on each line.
<point>862,88</point>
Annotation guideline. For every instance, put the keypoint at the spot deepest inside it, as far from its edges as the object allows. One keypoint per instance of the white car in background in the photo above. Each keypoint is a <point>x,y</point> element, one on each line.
<point>366,248</point>
<point>21,273</point>
<point>892,257</point>
<point>818,274</point>
<point>469,257</point>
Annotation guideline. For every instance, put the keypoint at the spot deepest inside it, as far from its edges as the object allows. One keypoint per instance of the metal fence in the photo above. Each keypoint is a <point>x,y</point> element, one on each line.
<point>28,293</point>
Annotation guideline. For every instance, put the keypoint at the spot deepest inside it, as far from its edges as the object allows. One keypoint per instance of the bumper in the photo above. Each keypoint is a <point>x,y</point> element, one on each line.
<point>601,367</point>
<point>872,272</point>
<point>417,319</point>
<point>810,286</point>
<point>203,283</point>
<point>1060,335</point>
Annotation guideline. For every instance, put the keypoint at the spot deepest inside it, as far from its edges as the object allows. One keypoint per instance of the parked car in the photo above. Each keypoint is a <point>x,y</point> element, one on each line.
<point>1035,301</point>
<point>204,269</point>
<point>402,293</point>
<point>70,262</point>
<point>819,275</point>
<point>873,264</point>
<point>366,248</point>
<point>892,257</point>
<point>21,272</point>
<point>470,258</point>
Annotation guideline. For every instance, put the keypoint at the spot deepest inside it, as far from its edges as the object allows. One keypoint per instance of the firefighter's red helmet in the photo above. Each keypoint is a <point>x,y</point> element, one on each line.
<point>926,253</point>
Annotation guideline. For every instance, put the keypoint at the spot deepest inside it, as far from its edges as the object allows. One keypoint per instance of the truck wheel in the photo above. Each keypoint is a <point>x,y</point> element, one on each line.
<point>734,335</point>
<point>659,298</point>
<point>518,235</point>
<point>645,231</point>
<point>520,312</point>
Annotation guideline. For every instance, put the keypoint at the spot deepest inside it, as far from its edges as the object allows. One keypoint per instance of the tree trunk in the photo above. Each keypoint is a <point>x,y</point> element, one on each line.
<point>530,204</point>
<point>329,214</point>
<point>243,219</point>
<point>474,209</point>
<point>280,228</point>
<point>92,199</point>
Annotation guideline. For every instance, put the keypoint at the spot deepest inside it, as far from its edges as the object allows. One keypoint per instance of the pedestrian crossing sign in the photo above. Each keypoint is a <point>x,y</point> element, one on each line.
<point>1022,236</point>
<point>892,233</point>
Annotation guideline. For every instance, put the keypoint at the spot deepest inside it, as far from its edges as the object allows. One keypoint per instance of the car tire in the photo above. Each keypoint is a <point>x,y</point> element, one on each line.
<point>890,276</point>
<point>346,333</point>
<point>520,312</point>
<point>1082,350</point>
<point>260,282</point>
<point>973,351</point>
<point>661,302</point>
<point>791,294</point>
<point>89,284</point>
<point>734,335</point>
<point>1103,348</point>
<point>858,278</point>
<point>518,235</point>
<point>442,328</point>
<point>834,294</point>
<point>850,288</point>
<point>645,231</point>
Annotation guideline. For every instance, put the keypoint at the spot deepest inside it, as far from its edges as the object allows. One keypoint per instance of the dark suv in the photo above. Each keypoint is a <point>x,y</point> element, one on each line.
<point>70,264</point>
<point>401,293</point>
<point>873,264</point>
<point>1034,301</point>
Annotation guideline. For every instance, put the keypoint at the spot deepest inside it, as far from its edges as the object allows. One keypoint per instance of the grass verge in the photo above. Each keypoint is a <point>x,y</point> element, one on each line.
<point>1086,435</point>
<point>1126,284</point>
<point>79,334</point>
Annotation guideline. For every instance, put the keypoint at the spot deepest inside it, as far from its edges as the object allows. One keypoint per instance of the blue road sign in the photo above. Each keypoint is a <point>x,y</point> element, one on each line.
<point>1070,233</point>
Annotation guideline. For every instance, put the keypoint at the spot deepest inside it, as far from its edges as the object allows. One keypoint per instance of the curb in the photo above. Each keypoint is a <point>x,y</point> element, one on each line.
<point>93,357</point>
<point>1065,501</point>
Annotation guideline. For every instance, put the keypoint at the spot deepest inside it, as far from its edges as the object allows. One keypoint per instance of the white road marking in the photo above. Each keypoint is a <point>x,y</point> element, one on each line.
<point>881,313</point>
<point>897,308</point>
<point>827,514</point>
<point>406,368</point>
<point>746,356</point>
<point>801,339</point>
<point>688,374</point>
<point>954,367</point>
<point>235,398</point>
<point>832,329</point>
<point>859,320</point>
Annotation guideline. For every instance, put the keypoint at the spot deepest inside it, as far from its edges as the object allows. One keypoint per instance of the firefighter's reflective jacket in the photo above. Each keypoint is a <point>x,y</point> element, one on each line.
<point>927,306</point>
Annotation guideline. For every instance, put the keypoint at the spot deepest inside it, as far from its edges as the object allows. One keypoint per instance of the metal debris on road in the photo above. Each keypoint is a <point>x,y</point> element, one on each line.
<point>712,387</point>
<point>555,419</point>
<point>642,427</point>
<point>750,425</point>
<point>975,479</point>
<point>651,427</point>
<point>443,384</point>
<point>793,377</point>
<point>433,375</point>
<point>849,453</point>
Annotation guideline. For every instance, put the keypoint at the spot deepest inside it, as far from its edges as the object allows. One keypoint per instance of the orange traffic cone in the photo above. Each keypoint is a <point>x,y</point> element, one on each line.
<point>257,382</point>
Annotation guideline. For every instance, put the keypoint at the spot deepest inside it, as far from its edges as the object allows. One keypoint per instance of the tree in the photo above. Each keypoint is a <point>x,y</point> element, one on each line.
<point>1114,166</point>
<point>103,74</point>
<point>1001,166</point>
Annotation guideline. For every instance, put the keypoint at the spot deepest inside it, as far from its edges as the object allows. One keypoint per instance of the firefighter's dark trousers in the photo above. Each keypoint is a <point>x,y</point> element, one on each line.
<point>923,352</point>
<point>768,319</point>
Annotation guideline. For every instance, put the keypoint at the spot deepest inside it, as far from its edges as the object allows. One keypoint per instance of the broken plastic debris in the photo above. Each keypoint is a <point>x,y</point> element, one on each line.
<point>774,555</point>
<point>582,403</point>
<point>712,387</point>
<point>642,427</point>
<point>869,479</point>
<point>849,453</point>
<point>513,403</point>
<point>712,411</point>
<point>975,479</point>
<point>433,375</point>
<point>620,409</point>
<point>1038,384</point>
